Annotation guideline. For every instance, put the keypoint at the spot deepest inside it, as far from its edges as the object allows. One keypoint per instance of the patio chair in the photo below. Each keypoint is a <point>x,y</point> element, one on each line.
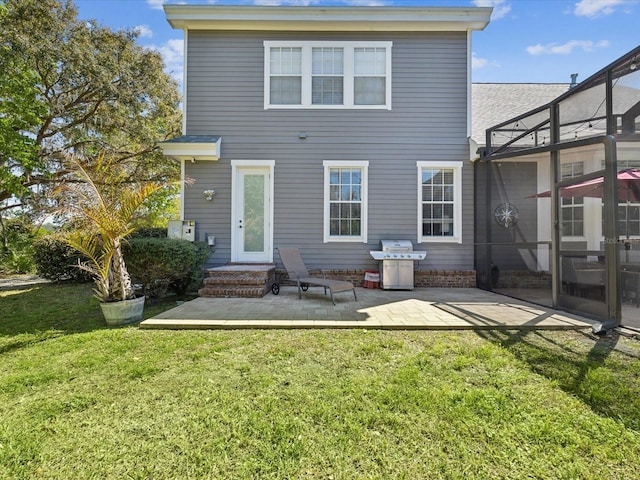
<point>299,274</point>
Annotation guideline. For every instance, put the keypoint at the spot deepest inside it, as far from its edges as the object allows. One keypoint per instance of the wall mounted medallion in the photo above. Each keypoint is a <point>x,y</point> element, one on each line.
<point>506,215</point>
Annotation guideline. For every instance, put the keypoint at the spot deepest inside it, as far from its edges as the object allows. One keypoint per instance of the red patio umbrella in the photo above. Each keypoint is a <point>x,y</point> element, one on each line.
<point>628,182</point>
<point>628,187</point>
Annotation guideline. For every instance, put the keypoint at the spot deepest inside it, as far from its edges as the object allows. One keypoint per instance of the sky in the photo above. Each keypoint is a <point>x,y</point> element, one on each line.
<point>527,41</point>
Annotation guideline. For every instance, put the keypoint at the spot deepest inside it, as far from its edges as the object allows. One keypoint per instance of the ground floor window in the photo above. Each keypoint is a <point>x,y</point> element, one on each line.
<point>629,210</point>
<point>572,208</point>
<point>440,201</point>
<point>345,201</point>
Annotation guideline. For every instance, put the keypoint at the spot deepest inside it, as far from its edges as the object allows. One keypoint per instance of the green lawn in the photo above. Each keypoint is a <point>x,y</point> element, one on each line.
<point>79,400</point>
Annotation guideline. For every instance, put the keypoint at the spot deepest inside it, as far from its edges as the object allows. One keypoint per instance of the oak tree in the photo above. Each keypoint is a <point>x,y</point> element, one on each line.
<point>73,88</point>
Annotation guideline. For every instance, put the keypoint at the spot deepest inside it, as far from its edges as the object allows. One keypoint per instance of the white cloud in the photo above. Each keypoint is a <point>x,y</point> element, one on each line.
<point>143,31</point>
<point>500,7</point>
<point>566,48</point>
<point>172,53</point>
<point>366,3</point>
<point>478,63</point>
<point>293,3</point>
<point>156,4</point>
<point>594,8</point>
<point>307,3</point>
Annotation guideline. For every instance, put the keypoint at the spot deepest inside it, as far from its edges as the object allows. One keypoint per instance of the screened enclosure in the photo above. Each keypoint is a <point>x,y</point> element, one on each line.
<point>558,200</point>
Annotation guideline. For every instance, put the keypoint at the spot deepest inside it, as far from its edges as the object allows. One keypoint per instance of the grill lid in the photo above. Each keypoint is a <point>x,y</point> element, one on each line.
<point>396,245</point>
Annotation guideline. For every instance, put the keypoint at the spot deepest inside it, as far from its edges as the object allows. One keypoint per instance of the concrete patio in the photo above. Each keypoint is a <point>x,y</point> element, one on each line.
<point>422,308</point>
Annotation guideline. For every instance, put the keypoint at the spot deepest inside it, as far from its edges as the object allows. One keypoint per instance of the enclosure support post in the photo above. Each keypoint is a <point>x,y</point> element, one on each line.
<point>611,250</point>
<point>488,224</point>
<point>554,128</point>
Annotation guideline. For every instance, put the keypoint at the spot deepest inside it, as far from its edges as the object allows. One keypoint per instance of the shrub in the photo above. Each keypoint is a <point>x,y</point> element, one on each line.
<point>149,232</point>
<point>160,264</point>
<point>16,249</point>
<point>55,260</point>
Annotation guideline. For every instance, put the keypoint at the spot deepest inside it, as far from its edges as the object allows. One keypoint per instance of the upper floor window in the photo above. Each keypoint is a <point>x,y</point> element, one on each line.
<point>286,76</point>
<point>327,74</point>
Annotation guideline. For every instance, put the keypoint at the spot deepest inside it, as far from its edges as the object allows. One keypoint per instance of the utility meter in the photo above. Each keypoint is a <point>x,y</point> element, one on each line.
<point>189,230</point>
<point>184,229</point>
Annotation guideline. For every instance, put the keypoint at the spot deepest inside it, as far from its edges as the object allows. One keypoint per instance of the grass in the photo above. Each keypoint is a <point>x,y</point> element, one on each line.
<point>79,400</point>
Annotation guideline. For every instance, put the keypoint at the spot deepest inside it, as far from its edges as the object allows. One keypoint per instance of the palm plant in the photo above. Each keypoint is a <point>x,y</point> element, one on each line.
<point>101,201</point>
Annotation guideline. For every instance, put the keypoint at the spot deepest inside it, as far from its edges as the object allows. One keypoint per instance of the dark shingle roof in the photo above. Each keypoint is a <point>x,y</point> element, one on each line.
<point>194,139</point>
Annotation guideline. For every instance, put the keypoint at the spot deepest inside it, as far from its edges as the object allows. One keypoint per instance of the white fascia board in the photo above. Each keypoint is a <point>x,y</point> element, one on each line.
<point>185,49</point>
<point>327,19</point>
<point>469,86</point>
<point>191,150</point>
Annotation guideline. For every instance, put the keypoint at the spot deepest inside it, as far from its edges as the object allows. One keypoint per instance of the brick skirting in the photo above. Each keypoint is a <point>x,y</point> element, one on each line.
<point>445,278</point>
<point>524,280</point>
<point>422,278</point>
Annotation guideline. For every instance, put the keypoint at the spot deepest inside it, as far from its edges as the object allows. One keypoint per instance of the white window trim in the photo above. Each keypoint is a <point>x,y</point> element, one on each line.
<point>348,74</point>
<point>585,208</point>
<point>364,165</point>
<point>457,201</point>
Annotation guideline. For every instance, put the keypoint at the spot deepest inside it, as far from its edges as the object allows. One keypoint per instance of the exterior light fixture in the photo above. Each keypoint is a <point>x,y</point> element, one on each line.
<point>208,194</point>
<point>633,65</point>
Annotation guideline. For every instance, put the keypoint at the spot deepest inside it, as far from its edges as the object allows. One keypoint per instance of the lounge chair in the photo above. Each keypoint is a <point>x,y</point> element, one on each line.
<point>299,274</point>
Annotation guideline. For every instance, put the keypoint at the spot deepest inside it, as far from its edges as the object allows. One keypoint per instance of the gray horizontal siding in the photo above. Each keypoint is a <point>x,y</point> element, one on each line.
<point>427,122</point>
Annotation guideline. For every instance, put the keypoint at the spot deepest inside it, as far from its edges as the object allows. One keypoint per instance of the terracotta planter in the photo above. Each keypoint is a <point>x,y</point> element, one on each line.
<point>123,312</point>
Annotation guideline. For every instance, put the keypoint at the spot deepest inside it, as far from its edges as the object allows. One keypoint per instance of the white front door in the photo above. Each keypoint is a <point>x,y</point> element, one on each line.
<point>251,234</point>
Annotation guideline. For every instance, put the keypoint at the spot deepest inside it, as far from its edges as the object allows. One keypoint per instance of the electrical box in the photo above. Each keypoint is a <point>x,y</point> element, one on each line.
<point>189,230</point>
<point>175,229</point>
<point>184,229</point>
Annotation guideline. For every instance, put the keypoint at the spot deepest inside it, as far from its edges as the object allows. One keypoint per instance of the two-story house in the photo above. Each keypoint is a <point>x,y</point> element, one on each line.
<point>328,129</point>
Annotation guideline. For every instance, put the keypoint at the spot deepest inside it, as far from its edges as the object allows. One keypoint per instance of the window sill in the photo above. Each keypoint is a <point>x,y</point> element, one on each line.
<point>345,240</point>
<point>327,107</point>
<point>440,240</point>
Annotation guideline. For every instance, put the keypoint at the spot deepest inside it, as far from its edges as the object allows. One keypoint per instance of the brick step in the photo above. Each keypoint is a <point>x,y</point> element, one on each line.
<point>236,279</point>
<point>249,281</point>
<point>233,291</point>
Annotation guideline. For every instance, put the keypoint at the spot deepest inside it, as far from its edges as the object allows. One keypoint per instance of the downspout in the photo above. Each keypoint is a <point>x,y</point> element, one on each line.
<point>182,185</point>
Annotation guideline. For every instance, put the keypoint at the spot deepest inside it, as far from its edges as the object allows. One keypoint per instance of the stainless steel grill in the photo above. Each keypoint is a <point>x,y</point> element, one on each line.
<point>397,258</point>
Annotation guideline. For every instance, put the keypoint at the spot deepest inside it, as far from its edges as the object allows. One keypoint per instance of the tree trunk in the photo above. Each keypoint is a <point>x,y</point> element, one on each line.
<point>3,235</point>
<point>123,287</point>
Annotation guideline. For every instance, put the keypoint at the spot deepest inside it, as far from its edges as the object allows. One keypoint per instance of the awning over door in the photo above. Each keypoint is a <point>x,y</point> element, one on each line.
<point>193,147</point>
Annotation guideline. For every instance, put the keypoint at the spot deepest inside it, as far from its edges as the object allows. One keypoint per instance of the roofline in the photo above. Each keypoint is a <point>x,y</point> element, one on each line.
<point>523,83</point>
<point>326,19</point>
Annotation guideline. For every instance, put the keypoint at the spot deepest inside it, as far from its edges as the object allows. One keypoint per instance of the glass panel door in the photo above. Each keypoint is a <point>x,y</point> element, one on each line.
<point>252,236</point>
<point>253,231</point>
